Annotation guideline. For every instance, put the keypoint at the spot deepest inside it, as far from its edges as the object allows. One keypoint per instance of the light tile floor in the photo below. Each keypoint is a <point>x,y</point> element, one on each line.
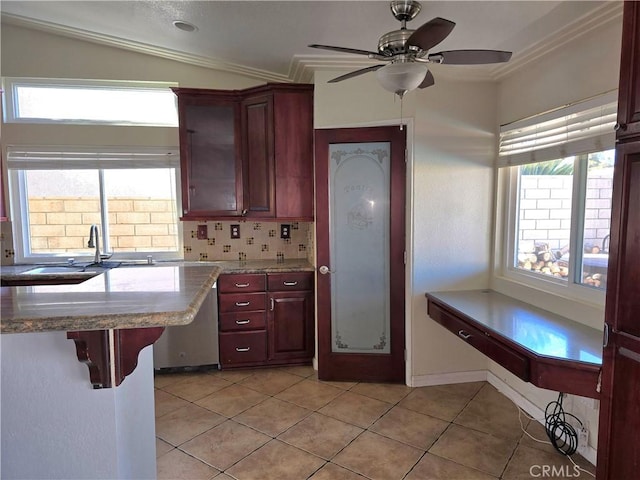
<point>284,424</point>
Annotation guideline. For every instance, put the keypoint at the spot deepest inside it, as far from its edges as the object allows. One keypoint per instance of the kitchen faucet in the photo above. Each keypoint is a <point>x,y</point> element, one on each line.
<point>93,233</point>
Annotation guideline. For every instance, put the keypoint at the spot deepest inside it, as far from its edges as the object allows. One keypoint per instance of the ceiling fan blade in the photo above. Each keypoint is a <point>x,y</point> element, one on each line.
<point>470,57</point>
<point>431,33</point>
<point>428,81</point>
<point>355,73</point>
<point>345,50</point>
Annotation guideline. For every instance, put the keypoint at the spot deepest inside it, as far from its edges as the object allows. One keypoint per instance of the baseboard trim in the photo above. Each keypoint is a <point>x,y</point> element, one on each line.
<point>448,378</point>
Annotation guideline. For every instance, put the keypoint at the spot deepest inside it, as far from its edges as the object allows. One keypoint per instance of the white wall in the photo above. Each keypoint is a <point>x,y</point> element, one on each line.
<point>55,426</point>
<point>452,212</point>
<point>584,67</point>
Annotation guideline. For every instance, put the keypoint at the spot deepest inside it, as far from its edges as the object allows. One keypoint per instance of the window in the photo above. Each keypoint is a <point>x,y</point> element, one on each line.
<point>57,196</point>
<point>30,100</point>
<point>559,171</point>
<point>545,193</point>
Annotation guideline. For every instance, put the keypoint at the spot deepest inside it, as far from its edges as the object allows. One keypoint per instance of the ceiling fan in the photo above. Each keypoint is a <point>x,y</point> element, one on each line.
<point>407,52</point>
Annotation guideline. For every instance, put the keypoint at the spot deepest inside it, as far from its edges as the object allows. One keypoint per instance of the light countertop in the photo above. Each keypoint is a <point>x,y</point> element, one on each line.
<point>126,297</point>
<point>540,331</point>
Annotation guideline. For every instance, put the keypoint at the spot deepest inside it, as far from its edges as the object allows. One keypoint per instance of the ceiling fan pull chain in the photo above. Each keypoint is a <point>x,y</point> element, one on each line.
<point>401,122</point>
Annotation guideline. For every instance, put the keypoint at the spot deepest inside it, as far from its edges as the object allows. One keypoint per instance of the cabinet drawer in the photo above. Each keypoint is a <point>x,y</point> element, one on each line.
<point>242,321</point>
<point>497,351</point>
<point>278,282</point>
<point>243,347</point>
<point>245,282</point>
<point>241,302</point>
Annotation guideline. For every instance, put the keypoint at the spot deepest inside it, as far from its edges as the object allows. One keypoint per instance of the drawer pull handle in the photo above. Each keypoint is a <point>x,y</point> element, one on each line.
<point>242,304</point>
<point>243,349</point>
<point>272,304</point>
<point>464,335</point>
<point>242,322</point>
<point>242,285</point>
<point>290,284</point>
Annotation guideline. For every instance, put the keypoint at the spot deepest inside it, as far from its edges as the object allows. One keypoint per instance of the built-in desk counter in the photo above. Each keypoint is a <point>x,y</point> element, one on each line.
<point>538,346</point>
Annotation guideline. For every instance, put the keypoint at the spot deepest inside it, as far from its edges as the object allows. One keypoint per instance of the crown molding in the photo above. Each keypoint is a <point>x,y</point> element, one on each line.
<point>601,16</point>
<point>138,47</point>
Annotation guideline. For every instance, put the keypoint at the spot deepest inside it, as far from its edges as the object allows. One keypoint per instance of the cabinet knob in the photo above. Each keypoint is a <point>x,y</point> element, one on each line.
<point>244,212</point>
<point>620,127</point>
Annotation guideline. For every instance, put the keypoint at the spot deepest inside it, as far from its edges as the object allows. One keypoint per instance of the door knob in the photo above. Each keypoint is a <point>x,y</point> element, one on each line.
<point>324,270</point>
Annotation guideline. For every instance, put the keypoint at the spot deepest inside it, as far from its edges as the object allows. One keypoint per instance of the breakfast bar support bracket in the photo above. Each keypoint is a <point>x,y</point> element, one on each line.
<point>93,349</point>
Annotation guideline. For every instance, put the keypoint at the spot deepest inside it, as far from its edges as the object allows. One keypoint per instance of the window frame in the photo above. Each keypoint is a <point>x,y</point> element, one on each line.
<point>569,288</point>
<point>20,221</point>
<point>10,85</point>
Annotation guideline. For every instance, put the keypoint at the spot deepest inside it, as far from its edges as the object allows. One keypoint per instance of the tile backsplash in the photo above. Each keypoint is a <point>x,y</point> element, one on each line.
<point>6,244</point>
<point>258,240</point>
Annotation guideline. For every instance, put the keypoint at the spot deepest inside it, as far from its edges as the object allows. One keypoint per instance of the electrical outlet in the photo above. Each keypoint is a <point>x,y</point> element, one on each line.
<point>235,231</point>
<point>202,232</point>
<point>285,231</point>
<point>583,441</point>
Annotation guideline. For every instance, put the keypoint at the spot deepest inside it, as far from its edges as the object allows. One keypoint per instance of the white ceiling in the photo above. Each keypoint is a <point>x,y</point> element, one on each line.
<point>268,40</point>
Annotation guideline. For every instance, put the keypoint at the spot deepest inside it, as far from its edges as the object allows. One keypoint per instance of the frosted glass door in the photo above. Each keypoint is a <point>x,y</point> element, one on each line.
<point>359,202</point>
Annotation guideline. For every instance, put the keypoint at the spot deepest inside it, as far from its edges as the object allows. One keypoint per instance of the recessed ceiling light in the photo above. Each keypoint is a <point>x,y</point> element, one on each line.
<point>184,26</point>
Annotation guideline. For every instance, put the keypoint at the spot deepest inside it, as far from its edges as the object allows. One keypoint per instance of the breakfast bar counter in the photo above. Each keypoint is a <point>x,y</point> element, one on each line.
<point>121,298</point>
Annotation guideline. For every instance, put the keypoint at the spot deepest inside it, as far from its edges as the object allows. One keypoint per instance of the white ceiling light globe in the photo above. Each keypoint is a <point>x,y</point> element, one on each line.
<point>401,77</point>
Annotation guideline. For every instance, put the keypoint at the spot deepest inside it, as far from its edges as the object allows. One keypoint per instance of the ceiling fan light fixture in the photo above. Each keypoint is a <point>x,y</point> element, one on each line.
<point>401,77</point>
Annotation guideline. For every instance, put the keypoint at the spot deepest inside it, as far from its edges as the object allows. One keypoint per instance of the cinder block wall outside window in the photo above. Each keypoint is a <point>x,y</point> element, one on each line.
<point>545,210</point>
<point>60,225</point>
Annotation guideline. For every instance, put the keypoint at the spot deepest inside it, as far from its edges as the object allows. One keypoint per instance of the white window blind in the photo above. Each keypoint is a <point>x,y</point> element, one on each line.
<point>72,158</point>
<point>575,129</point>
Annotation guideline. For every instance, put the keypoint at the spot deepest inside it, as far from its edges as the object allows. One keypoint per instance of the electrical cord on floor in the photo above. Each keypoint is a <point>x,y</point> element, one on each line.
<point>562,435</point>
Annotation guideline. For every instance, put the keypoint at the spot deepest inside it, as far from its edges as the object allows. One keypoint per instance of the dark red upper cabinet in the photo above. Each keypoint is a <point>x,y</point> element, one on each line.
<point>247,153</point>
<point>258,156</point>
<point>629,89</point>
<point>210,166</point>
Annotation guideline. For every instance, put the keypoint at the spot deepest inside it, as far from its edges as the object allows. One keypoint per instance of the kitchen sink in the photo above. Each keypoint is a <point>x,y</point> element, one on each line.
<point>53,270</point>
<point>64,274</point>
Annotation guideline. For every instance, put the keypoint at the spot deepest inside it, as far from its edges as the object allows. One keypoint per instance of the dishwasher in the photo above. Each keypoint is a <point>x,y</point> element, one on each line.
<point>193,345</point>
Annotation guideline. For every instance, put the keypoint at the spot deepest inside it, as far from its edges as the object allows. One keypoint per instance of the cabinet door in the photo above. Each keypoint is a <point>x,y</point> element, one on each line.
<point>629,90</point>
<point>291,325</point>
<point>257,153</point>
<point>209,154</point>
<point>619,428</point>
<point>293,119</point>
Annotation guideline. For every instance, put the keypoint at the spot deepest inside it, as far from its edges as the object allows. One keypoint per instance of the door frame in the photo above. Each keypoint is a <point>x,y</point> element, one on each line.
<point>402,334</point>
